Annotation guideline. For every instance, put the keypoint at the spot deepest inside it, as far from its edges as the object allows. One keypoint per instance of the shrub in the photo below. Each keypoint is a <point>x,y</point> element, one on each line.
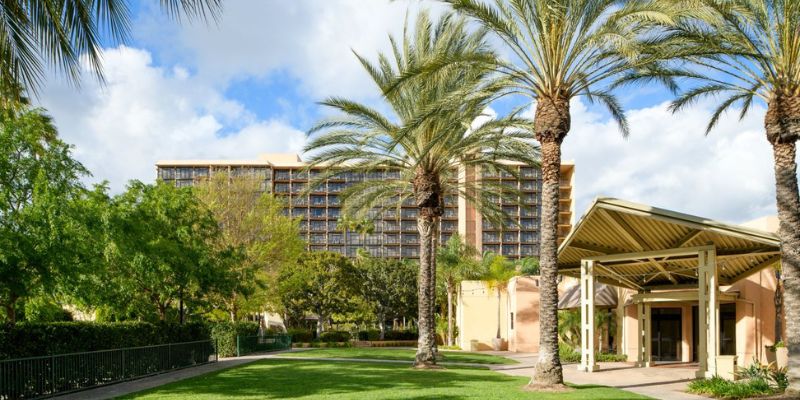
<point>722,388</point>
<point>301,335</point>
<point>401,335</point>
<point>567,354</point>
<point>372,334</point>
<point>335,336</point>
<point>29,339</point>
<point>224,335</point>
<point>610,357</point>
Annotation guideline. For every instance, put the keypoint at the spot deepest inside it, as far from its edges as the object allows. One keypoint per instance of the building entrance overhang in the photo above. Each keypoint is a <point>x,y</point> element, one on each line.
<point>650,250</point>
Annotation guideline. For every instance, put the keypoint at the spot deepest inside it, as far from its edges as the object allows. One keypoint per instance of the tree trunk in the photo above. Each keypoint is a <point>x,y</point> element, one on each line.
<point>426,355</point>
<point>320,321</point>
<point>450,338</point>
<point>11,312</point>
<point>551,124</point>
<point>182,312</point>
<point>382,325</point>
<point>789,215</point>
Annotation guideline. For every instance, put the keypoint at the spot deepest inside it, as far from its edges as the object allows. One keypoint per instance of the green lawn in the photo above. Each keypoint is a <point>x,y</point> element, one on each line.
<point>305,379</point>
<point>377,353</point>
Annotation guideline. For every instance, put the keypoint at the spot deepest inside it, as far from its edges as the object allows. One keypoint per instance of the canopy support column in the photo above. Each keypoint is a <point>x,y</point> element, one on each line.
<point>588,363</point>
<point>708,314</point>
<point>644,330</point>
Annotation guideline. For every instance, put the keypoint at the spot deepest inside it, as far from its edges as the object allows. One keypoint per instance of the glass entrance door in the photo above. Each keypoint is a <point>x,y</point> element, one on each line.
<point>666,334</point>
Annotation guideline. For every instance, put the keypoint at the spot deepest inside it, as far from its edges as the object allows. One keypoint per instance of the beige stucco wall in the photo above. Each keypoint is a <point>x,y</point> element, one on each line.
<point>524,337</point>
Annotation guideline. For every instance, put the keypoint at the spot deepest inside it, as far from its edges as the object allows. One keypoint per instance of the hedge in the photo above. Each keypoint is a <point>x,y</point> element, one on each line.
<point>301,335</point>
<point>224,334</point>
<point>335,336</point>
<point>30,339</point>
<point>401,335</point>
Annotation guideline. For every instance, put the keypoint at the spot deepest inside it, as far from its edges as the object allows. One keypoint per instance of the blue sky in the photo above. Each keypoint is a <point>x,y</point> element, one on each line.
<point>250,84</point>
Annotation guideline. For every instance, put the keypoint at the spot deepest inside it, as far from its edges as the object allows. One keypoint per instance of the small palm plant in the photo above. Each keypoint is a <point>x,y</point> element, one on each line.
<point>456,261</point>
<point>428,141</point>
<point>498,272</point>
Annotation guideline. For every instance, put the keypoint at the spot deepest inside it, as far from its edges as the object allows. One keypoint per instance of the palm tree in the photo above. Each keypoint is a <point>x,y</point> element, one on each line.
<point>455,261</point>
<point>429,138</point>
<point>563,49</point>
<point>744,52</point>
<point>498,272</point>
<point>34,33</point>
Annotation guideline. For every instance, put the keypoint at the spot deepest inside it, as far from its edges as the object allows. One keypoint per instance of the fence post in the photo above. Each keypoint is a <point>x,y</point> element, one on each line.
<point>238,353</point>
<point>52,374</point>
<point>169,355</point>
<point>123,364</point>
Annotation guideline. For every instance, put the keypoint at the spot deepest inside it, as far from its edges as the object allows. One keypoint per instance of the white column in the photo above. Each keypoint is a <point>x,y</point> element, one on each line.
<point>708,315</point>
<point>702,312</point>
<point>588,363</point>
<point>643,335</point>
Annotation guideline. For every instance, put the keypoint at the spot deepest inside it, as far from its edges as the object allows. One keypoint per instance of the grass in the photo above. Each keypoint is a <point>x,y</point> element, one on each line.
<point>306,379</point>
<point>370,353</point>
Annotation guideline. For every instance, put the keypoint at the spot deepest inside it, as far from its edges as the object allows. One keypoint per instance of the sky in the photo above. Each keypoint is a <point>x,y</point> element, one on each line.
<point>251,84</point>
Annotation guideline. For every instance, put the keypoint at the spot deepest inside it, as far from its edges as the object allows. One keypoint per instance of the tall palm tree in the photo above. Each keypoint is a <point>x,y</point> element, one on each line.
<point>37,33</point>
<point>455,261</point>
<point>560,49</point>
<point>427,140</point>
<point>744,52</point>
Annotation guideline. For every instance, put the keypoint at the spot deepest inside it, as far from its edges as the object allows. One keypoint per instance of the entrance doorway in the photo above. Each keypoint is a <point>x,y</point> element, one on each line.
<point>727,330</point>
<point>666,334</point>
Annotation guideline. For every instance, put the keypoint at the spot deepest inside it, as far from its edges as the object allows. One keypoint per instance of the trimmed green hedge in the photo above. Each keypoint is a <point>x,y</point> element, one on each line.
<point>301,335</point>
<point>401,335</point>
<point>335,336</point>
<point>30,339</point>
<point>224,334</point>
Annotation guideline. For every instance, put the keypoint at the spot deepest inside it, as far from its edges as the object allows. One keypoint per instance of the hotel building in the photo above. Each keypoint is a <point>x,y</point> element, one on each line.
<point>395,231</point>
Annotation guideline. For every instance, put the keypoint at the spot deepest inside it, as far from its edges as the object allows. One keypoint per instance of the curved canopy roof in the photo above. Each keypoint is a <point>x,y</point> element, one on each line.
<point>647,237</point>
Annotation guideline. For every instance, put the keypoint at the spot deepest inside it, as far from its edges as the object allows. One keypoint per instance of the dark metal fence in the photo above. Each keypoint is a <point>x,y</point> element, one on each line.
<point>256,344</point>
<point>36,377</point>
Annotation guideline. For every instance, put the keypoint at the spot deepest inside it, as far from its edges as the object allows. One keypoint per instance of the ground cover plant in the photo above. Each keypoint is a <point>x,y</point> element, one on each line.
<point>401,354</point>
<point>301,379</point>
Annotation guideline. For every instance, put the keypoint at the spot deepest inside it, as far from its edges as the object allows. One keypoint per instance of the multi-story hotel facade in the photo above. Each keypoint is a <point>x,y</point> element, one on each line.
<point>395,230</point>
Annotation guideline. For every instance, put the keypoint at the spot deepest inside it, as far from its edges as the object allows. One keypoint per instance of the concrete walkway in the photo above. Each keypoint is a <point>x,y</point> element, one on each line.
<point>667,382</point>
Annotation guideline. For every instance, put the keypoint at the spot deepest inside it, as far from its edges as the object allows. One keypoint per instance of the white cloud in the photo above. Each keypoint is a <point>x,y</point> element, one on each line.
<point>668,162</point>
<point>146,113</point>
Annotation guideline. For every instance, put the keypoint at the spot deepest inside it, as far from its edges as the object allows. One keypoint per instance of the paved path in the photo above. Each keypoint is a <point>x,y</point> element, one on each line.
<point>662,382</point>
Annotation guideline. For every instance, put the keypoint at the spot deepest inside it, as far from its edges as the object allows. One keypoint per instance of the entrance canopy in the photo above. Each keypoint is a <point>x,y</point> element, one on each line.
<point>647,248</point>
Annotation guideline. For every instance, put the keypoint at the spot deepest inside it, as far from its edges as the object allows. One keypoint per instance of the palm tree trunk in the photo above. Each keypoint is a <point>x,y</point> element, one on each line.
<point>778,299</point>
<point>426,355</point>
<point>450,338</point>
<point>788,201</point>
<point>551,124</point>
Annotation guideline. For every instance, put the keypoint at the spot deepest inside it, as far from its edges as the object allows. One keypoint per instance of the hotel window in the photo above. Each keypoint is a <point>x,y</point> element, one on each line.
<point>392,175</point>
<point>335,187</point>
<point>391,238</point>
<point>450,212</point>
<point>303,226</point>
<point>333,213</point>
<point>449,226</point>
<point>528,172</point>
<point>333,226</point>
<point>299,212</point>
<point>408,226</point>
<point>527,250</point>
<point>184,183</point>
<point>317,213</point>
<point>375,175</point>
<point>491,237</point>
<point>445,238</point>
<point>487,225</point>
<point>529,198</point>
<point>528,237</point>
<point>166,173</point>
<point>335,238</point>
<point>410,238</point>
<point>317,200</point>
<point>409,213</point>
<point>281,175</point>
<point>391,226</point>
<point>318,226</point>
<point>281,188</point>
<point>528,224</point>
<point>299,174</point>
<point>201,172</point>
<point>410,251</point>
<point>451,201</point>
<point>391,252</point>
<point>333,200</point>
<point>299,201</point>
<point>390,213</point>
<point>317,238</point>
<point>374,239</point>
<point>336,249</point>
<point>511,211</point>
<point>530,211</point>
<point>298,187</point>
<point>409,202</point>
<point>529,185</point>
<point>510,250</point>
<point>493,248</point>
<point>511,237</point>
<point>374,251</point>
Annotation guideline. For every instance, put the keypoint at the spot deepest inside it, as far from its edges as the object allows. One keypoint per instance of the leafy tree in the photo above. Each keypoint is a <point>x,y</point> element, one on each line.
<point>387,288</point>
<point>361,226</point>
<point>254,224</point>
<point>429,136</point>
<point>160,252</point>
<point>528,266</point>
<point>321,283</point>
<point>745,52</point>
<point>561,50</point>
<point>40,231</point>
<point>498,271</point>
<point>62,33</point>
<point>456,261</point>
